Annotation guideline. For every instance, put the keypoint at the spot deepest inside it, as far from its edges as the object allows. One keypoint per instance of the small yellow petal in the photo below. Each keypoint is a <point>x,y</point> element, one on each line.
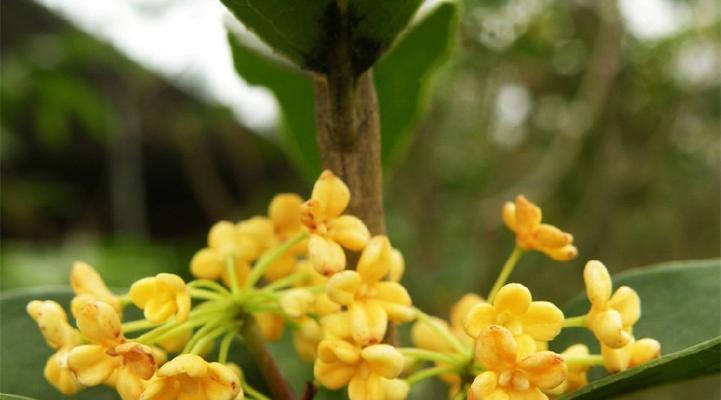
<point>375,260</point>
<point>332,193</point>
<point>85,280</point>
<point>513,298</point>
<point>60,376</point>
<point>383,360</point>
<point>333,375</point>
<point>479,318</point>
<point>397,266</point>
<point>99,323</point>
<point>528,215</point>
<point>296,302</point>
<point>326,255</point>
<point>509,215</point>
<point>395,389</point>
<point>626,301</point>
<point>365,388</point>
<point>644,350</point>
<point>545,369</point>
<point>207,264</point>
<point>349,231</point>
<point>484,385</point>
<point>496,348</point>
<point>395,299</point>
<point>186,364</point>
<point>91,364</point>
<point>425,337</point>
<point>284,212</point>
<point>462,307</point>
<point>598,284</point>
<point>608,328</point>
<point>543,321</point>
<point>368,322</point>
<point>343,286</point>
<point>617,360</point>
<point>565,253</point>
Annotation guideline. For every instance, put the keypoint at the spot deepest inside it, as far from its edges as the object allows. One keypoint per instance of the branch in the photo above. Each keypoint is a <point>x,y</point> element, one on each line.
<point>256,346</point>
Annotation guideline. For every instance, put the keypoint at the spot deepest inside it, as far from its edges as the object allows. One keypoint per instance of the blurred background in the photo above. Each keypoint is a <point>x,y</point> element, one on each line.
<point>125,133</point>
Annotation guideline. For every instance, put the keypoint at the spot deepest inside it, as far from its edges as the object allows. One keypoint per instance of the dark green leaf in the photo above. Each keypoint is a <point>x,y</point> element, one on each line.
<point>701,359</point>
<point>403,79</point>
<point>679,309</point>
<point>308,32</point>
<point>6,396</point>
<point>294,92</point>
<point>404,76</point>
<point>23,351</point>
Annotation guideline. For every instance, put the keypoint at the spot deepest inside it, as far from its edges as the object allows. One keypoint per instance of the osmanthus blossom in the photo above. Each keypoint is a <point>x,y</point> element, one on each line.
<point>85,280</point>
<point>509,376</point>
<point>370,372</point>
<point>108,353</point>
<point>225,243</point>
<point>330,230</point>
<point>60,336</point>
<point>161,297</point>
<point>524,219</point>
<point>370,301</point>
<point>530,322</point>
<point>190,377</point>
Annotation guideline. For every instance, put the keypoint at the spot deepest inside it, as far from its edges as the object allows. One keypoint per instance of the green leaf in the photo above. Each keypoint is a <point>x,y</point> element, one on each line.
<point>407,69</point>
<point>23,351</point>
<point>679,302</point>
<point>294,92</point>
<point>7,396</point>
<point>404,76</point>
<point>701,359</point>
<point>308,32</point>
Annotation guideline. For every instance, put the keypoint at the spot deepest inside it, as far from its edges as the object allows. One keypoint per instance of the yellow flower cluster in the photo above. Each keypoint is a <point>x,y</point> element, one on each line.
<point>289,269</point>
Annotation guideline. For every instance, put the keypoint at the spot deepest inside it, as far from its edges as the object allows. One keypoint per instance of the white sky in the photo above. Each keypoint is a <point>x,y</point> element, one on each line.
<point>184,40</point>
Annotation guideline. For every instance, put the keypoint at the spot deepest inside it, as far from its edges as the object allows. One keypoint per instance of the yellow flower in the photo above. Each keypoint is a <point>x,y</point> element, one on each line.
<point>306,337</point>
<point>270,326</point>
<point>161,297</point>
<point>507,375</point>
<point>368,372</point>
<point>225,241</point>
<point>529,321</point>
<point>86,281</point>
<point>371,302</point>
<point>611,318</point>
<point>239,373</point>
<point>53,323</point>
<point>524,219</point>
<point>190,377</point>
<point>633,354</point>
<point>322,305</point>
<point>330,231</point>
<point>109,353</point>
<point>577,376</point>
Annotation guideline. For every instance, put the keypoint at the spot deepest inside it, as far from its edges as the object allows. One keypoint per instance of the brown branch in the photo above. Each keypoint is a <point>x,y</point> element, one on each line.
<point>255,344</point>
<point>350,144</point>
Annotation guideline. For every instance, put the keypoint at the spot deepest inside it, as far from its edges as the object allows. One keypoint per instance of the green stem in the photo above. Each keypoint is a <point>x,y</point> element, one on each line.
<point>204,294</point>
<point>230,269</point>
<point>124,300</point>
<point>256,347</point>
<point>209,326</point>
<point>137,325</point>
<point>286,281</point>
<point>225,346</point>
<point>575,322</point>
<point>251,391</point>
<point>199,346</point>
<point>271,257</point>
<point>505,272</point>
<point>439,329</point>
<point>429,373</point>
<point>430,355</point>
<point>588,360</point>
<point>208,284</point>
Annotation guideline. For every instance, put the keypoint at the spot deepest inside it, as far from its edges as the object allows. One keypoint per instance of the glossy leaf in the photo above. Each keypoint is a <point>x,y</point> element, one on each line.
<point>679,302</point>
<point>23,351</point>
<point>404,77</point>
<point>307,32</point>
<point>294,92</point>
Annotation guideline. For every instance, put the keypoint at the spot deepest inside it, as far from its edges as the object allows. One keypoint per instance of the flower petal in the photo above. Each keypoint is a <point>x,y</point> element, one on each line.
<point>496,348</point>
<point>528,215</point>
<point>383,360</point>
<point>395,299</point>
<point>608,328</point>
<point>343,286</point>
<point>99,323</point>
<point>627,303</point>
<point>644,350</point>
<point>333,375</point>
<point>598,284</point>
<point>91,364</point>
<point>479,318</point>
<point>349,231</point>
<point>60,376</point>
<point>543,321</point>
<point>221,382</point>
<point>617,360</point>
<point>326,255</point>
<point>545,369</point>
<point>331,193</point>
<point>368,322</point>
<point>365,388</point>
<point>375,260</point>
<point>207,264</point>
<point>513,298</point>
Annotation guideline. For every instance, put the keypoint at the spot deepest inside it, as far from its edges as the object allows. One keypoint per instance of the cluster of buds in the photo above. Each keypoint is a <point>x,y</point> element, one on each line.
<point>289,269</point>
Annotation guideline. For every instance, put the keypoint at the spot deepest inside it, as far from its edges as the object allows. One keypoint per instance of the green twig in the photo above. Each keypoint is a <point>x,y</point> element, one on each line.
<point>505,272</point>
<point>271,257</point>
